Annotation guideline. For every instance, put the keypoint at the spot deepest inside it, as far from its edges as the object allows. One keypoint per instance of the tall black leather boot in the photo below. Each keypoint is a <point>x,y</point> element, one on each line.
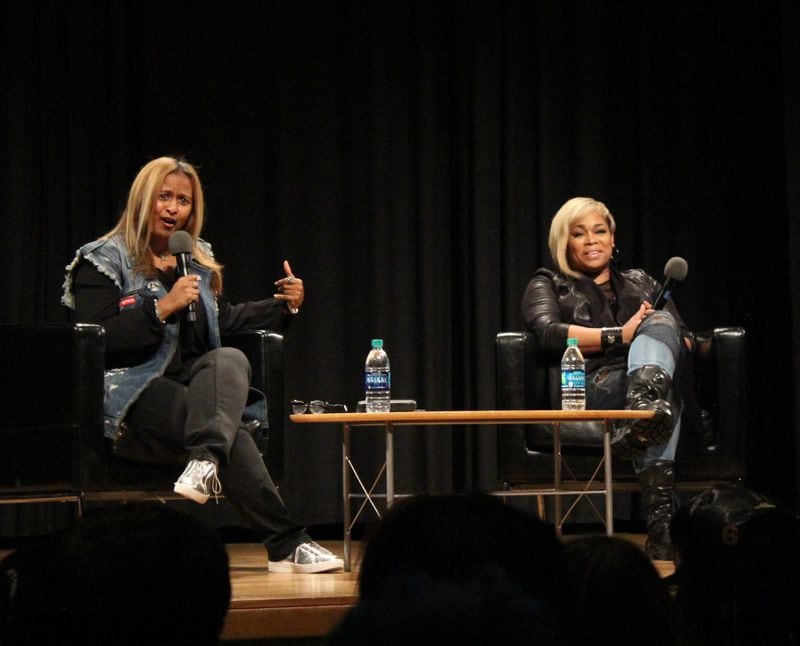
<point>660,502</point>
<point>648,389</point>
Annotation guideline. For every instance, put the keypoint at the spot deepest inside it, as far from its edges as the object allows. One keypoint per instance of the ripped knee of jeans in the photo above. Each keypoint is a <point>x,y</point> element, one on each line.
<point>661,326</point>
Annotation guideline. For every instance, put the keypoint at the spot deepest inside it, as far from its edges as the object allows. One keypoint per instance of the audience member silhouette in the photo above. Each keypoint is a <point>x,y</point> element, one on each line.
<point>737,568</point>
<point>131,574</point>
<point>464,569</point>
<point>616,596</point>
<point>416,608</point>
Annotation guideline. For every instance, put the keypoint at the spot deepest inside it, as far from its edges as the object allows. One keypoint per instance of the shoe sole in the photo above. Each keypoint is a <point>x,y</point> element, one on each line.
<point>279,567</point>
<point>191,494</point>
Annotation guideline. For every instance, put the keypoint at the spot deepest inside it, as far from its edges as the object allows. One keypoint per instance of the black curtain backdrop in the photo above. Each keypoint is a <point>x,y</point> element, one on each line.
<point>407,157</point>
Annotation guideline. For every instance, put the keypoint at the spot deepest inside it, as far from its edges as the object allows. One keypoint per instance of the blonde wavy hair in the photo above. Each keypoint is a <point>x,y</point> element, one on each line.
<point>136,219</point>
<point>572,211</point>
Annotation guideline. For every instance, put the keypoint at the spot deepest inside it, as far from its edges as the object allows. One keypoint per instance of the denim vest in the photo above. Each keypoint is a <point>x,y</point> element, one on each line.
<point>124,385</point>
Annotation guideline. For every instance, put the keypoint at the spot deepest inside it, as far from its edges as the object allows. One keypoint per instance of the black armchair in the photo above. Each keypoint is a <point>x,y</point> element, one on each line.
<point>710,451</point>
<point>51,426</point>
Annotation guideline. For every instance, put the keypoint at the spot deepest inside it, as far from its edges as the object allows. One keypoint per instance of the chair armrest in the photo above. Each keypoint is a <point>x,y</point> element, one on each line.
<point>510,370</point>
<point>720,378</point>
<point>264,349</point>
<point>523,377</point>
<point>53,396</point>
<point>54,374</point>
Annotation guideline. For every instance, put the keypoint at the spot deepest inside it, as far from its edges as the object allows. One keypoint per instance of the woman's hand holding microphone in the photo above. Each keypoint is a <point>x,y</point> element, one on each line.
<point>186,290</point>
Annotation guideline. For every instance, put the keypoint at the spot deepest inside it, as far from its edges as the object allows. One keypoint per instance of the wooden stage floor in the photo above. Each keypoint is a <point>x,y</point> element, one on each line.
<point>284,607</point>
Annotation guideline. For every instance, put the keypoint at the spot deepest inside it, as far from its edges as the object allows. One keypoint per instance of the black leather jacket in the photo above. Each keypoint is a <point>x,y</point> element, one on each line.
<point>554,301</point>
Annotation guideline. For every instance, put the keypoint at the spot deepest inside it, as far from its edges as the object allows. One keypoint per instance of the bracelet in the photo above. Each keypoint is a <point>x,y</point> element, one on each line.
<point>610,336</point>
<point>157,311</point>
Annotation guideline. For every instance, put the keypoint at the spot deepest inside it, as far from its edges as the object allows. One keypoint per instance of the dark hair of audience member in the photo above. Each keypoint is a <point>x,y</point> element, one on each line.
<point>616,596</point>
<point>454,537</point>
<point>461,568</point>
<point>415,608</point>
<point>737,568</point>
<point>140,573</point>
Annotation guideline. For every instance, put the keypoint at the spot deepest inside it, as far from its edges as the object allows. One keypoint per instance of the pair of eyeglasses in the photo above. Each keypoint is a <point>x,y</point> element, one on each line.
<point>316,407</point>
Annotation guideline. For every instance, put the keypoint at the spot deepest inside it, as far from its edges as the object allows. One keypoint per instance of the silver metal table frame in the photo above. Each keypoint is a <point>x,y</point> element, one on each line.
<point>472,418</point>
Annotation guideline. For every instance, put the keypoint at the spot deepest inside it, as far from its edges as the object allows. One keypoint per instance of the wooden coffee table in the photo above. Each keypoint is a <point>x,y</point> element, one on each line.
<point>388,421</point>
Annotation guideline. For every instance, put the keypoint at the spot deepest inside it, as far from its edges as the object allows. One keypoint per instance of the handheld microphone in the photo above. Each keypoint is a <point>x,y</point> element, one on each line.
<point>675,271</point>
<point>180,246</point>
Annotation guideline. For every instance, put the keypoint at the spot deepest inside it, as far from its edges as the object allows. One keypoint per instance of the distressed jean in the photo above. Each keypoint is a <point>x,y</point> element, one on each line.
<point>657,342</point>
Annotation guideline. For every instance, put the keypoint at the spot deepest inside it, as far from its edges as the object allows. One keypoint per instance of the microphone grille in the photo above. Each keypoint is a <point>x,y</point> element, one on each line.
<point>181,242</point>
<point>676,268</point>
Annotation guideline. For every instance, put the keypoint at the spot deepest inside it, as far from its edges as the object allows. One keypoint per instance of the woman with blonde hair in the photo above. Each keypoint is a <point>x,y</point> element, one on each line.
<point>169,382</point>
<point>632,351</point>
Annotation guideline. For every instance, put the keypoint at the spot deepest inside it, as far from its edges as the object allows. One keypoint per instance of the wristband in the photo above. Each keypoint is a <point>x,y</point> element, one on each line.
<point>611,336</point>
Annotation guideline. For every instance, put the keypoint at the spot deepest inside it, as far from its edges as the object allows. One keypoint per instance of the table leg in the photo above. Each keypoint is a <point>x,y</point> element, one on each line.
<point>346,493</point>
<point>389,465</point>
<point>557,475</point>
<point>608,479</point>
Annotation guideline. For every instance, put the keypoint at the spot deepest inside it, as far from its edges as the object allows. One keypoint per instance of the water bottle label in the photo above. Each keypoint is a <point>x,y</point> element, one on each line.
<point>573,379</point>
<point>377,381</point>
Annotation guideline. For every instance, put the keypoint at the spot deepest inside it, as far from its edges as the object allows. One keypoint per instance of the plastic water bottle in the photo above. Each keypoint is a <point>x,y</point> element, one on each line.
<point>573,378</point>
<point>377,379</point>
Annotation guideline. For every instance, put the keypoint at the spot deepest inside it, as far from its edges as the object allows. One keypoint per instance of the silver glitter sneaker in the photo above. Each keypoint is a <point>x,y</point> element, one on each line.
<point>198,481</point>
<point>308,558</point>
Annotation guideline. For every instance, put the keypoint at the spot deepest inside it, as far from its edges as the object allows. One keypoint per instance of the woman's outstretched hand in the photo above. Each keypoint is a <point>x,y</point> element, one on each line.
<point>290,289</point>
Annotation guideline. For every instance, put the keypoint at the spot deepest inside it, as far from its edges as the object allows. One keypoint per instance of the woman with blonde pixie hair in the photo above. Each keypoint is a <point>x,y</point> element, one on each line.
<point>562,222</point>
<point>633,353</point>
<point>170,385</point>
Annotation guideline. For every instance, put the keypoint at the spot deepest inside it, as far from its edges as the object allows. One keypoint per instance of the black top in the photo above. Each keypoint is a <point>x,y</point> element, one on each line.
<point>553,301</point>
<point>133,335</point>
